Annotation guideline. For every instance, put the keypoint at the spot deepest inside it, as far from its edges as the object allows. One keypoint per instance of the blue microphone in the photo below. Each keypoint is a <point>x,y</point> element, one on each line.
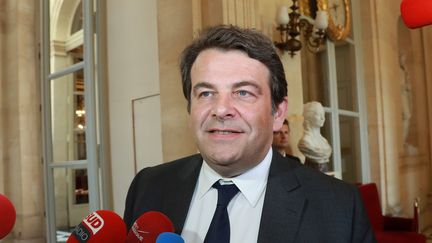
<point>168,237</point>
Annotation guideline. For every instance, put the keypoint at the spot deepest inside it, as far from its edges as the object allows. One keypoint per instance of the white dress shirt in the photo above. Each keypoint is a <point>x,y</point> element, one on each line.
<point>244,210</point>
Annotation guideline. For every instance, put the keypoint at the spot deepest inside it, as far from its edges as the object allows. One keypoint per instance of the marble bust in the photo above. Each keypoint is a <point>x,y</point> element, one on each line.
<point>313,145</point>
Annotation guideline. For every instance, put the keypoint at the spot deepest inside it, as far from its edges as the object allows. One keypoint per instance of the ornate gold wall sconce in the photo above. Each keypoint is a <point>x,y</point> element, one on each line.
<point>291,25</point>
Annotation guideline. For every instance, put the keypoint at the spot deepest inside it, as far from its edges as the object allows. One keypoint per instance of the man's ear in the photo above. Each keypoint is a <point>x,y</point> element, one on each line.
<point>280,114</point>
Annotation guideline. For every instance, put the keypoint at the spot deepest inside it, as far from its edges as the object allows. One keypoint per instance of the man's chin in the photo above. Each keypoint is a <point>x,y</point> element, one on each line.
<point>225,168</point>
<point>220,158</point>
<point>223,160</point>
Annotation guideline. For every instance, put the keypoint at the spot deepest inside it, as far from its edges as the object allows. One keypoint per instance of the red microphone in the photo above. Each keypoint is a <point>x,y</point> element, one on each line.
<point>148,227</point>
<point>7,216</point>
<point>416,13</point>
<point>100,226</point>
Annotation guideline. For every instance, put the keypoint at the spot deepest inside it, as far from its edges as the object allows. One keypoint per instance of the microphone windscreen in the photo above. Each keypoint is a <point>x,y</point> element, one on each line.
<point>169,237</point>
<point>416,13</point>
<point>7,216</point>
<point>148,227</point>
<point>100,226</point>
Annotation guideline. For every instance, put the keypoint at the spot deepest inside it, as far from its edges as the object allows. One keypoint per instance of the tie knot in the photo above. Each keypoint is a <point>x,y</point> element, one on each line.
<point>225,193</point>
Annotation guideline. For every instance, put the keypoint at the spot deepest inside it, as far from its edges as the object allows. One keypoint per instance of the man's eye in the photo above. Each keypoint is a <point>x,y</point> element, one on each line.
<point>242,93</point>
<point>205,94</point>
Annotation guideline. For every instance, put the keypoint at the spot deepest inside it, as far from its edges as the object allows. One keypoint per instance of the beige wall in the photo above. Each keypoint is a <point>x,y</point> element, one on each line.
<point>133,91</point>
<point>427,39</point>
<point>173,38</point>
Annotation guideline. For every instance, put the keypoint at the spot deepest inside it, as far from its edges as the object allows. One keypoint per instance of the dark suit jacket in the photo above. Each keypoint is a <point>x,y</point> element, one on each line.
<point>300,205</point>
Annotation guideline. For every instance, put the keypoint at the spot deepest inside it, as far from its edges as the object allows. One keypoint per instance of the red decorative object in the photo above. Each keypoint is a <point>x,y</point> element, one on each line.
<point>389,229</point>
<point>416,13</point>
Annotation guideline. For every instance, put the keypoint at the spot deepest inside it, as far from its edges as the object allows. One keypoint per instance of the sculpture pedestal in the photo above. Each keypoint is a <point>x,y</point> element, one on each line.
<point>323,167</point>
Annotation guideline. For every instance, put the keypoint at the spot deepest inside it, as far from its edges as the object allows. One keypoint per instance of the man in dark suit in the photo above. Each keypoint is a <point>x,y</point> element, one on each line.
<point>281,140</point>
<point>238,189</point>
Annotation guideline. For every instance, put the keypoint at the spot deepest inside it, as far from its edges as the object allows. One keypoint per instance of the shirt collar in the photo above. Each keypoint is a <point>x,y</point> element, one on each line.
<point>251,184</point>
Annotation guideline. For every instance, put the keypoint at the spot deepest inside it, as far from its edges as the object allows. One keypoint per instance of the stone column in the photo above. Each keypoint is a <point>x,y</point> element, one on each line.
<point>22,176</point>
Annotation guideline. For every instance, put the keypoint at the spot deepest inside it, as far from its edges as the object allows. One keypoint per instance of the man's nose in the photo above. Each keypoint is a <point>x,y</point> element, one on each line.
<point>223,107</point>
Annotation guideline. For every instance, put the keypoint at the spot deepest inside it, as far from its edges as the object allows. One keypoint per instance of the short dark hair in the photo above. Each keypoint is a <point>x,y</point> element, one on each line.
<point>228,37</point>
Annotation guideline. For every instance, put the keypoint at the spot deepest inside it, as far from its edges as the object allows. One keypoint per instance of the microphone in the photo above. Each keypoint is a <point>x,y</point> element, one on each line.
<point>148,227</point>
<point>169,237</point>
<point>100,226</point>
<point>7,216</point>
<point>416,13</point>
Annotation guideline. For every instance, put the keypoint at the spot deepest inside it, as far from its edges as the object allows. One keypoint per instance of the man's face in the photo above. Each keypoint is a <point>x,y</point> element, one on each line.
<point>280,138</point>
<point>231,117</point>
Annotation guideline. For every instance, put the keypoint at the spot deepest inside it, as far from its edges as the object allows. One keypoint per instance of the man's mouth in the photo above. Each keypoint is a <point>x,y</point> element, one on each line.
<point>223,132</point>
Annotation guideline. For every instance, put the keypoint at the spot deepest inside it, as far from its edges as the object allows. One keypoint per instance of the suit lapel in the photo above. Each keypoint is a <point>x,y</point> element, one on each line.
<point>283,203</point>
<point>180,195</point>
